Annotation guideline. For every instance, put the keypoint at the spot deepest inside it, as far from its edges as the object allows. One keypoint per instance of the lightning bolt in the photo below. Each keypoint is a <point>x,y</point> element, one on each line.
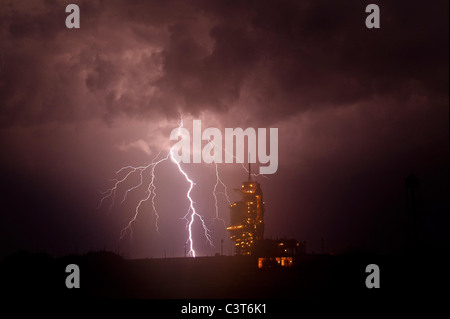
<point>190,219</point>
<point>150,195</point>
<point>191,214</point>
<point>215,193</point>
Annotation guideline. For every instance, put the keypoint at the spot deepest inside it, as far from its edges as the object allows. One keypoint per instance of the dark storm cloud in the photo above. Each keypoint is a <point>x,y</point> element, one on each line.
<point>160,57</point>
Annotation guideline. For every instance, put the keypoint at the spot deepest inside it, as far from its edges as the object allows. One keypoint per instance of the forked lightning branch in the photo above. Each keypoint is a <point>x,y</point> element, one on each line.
<point>212,152</point>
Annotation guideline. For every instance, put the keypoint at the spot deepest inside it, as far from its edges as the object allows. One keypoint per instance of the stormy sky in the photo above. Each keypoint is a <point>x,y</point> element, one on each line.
<point>357,110</point>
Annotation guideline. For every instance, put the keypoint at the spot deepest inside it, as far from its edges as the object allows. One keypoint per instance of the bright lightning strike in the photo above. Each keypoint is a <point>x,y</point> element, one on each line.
<point>191,210</point>
<point>191,214</point>
<point>150,195</point>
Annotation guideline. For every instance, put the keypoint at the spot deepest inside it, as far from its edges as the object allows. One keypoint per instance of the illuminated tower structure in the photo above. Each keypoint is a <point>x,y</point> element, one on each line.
<point>247,217</point>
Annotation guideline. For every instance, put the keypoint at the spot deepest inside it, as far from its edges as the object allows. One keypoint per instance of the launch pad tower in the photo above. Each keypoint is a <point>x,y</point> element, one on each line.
<point>247,217</point>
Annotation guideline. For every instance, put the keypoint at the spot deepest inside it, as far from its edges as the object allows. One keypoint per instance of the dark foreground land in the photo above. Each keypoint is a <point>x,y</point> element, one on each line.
<point>107,275</point>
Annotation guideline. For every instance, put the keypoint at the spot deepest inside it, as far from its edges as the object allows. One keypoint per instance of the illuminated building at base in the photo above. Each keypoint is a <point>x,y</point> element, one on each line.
<point>279,252</point>
<point>247,218</point>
